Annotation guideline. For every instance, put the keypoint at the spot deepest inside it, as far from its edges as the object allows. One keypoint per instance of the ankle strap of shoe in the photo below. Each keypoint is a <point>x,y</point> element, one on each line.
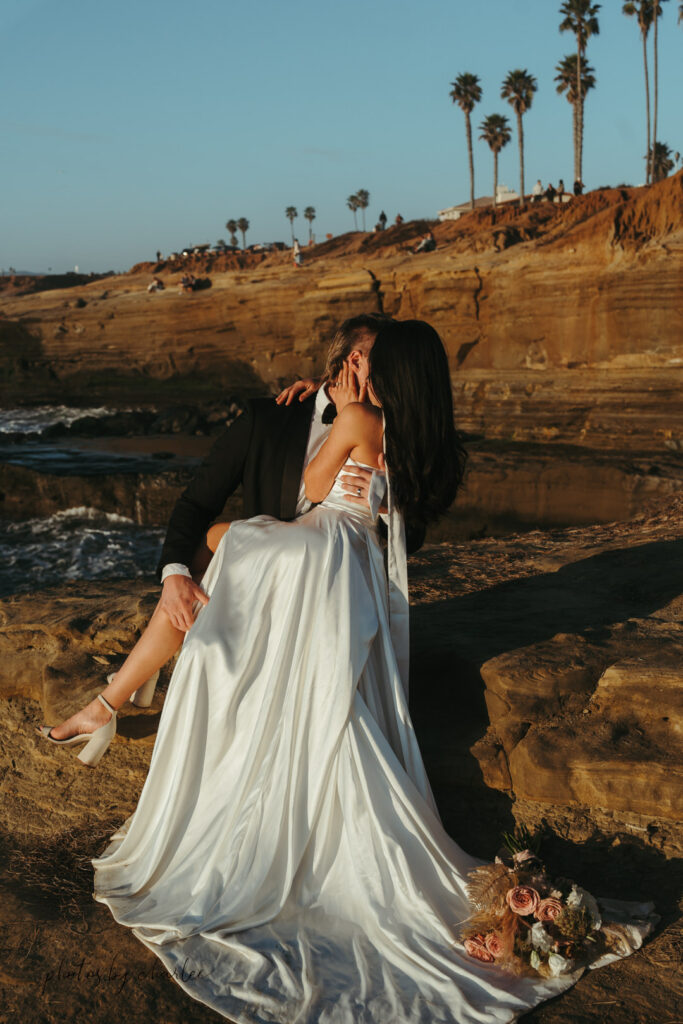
<point>106,703</point>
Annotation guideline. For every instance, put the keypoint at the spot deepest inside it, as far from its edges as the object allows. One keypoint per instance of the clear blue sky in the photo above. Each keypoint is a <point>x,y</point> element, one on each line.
<point>133,126</point>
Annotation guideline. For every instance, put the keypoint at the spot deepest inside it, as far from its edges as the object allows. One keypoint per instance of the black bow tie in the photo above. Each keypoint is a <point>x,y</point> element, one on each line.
<point>329,412</point>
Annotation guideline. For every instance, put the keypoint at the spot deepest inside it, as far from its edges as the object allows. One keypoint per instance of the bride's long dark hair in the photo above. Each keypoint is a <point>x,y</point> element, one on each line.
<point>410,375</point>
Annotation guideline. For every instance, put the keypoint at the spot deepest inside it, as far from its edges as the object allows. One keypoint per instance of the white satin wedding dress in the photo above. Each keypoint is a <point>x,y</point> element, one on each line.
<point>286,860</point>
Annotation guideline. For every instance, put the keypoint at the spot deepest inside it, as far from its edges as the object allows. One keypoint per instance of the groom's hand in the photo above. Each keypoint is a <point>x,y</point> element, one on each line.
<point>303,388</point>
<point>177,598</point>
<point>356,483</point>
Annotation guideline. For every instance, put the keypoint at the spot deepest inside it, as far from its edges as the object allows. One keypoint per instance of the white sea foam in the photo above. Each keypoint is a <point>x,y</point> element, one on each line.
<point>37,419</point>
<point>77,543</point>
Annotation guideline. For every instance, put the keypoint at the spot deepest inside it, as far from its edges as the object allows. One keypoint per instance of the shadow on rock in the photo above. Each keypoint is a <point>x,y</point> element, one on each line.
<point>620,866</point>
<point>584,597</point>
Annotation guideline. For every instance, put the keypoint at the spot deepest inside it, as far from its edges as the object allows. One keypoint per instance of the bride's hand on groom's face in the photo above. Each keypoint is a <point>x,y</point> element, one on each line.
<point>346,390</point>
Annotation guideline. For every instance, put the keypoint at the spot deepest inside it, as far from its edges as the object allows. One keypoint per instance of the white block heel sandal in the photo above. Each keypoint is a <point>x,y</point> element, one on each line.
<point>96,742</point>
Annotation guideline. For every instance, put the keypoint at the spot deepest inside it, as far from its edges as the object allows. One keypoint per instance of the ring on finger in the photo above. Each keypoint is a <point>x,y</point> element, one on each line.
<point>358,491</point>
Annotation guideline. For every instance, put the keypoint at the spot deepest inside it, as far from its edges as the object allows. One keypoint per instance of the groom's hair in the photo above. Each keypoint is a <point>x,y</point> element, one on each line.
<point>358,332</point>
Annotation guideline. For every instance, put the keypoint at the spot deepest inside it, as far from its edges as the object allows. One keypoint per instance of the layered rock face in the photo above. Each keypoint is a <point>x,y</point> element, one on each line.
<point>576,637</point>
<point>566,319</point>
<point>508,487</point>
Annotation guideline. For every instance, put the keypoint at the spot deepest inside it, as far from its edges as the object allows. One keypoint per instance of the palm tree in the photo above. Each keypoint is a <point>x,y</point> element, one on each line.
<point>232,228</point>
<point>645,13</point>
<point>290,213</point>
<point>495,129</point>
<point>657,12</point>
<point>352,203</point>
<point>243,225</point>
<point>466,91</point>
<point>680,13</point>
<point>661,161</point>
<point>363,199</point>
<point>309,214</point>
<point>581,18</point>
<point>518,89</point>
<point>566,82</point>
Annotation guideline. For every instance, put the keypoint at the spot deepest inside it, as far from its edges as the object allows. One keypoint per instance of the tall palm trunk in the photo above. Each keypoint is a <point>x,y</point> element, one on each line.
<point>578,153</point>
<point>495,176</point>
<point>656,87</point>
<point>468,128</point>
<point>647,105</point>
<point>575,132</point>
<point>520,135</point>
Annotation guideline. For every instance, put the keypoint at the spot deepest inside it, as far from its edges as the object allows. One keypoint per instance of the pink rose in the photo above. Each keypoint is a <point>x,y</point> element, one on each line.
<point>548,909</point>
<point>522,899</point>
<point>476,948</point>
<point>494,944</point>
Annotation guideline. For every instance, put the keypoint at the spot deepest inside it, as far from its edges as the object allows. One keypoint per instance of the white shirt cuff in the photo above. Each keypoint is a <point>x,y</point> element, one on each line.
<point>175,569</point>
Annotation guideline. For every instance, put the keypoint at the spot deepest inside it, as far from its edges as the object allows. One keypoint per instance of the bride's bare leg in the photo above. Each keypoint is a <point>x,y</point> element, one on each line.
<point>158,643</point>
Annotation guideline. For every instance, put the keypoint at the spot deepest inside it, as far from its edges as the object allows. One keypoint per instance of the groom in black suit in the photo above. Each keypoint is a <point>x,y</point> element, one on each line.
<point>265,450</point>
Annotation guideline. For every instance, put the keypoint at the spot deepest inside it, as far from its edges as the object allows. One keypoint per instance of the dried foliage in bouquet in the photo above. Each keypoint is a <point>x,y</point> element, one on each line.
<point>488,885</point>
<point>528,922</point>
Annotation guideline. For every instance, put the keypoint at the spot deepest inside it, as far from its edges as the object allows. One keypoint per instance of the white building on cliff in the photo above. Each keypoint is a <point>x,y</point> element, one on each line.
<point>503,195</point>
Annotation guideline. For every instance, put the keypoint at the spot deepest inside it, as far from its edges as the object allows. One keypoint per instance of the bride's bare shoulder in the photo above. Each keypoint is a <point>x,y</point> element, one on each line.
<point>361,420</point>
<point>362,412</point>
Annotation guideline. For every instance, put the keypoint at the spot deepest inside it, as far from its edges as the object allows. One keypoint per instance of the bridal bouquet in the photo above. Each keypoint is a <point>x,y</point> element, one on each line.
<point>530,923</point>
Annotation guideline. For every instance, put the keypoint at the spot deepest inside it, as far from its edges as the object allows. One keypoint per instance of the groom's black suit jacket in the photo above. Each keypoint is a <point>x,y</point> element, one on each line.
<point>264,450</point>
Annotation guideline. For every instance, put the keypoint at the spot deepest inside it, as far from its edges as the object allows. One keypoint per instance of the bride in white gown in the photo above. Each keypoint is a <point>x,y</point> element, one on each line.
<point>286,860</point>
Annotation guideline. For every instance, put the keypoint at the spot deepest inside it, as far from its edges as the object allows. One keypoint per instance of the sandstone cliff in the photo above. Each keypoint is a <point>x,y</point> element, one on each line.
<point>569,318</point>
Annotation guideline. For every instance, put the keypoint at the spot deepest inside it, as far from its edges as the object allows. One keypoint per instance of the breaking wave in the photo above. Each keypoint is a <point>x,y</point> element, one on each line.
<point>78,543</point>
<point>39,418</point>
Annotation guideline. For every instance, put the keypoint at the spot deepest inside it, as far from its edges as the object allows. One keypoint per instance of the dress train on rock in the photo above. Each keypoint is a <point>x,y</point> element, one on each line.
<point>286,860</point>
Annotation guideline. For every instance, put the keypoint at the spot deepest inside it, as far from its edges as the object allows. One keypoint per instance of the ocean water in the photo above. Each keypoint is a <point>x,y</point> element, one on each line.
<point>38,418</point>
<point>78,543</point>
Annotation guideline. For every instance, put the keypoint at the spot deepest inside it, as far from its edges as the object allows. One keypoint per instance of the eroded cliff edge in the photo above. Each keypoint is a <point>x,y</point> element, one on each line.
<point>567,320</point>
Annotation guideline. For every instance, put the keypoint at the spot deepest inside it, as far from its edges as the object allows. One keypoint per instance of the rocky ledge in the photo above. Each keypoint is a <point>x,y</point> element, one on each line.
<point>545,689</point>
<point>574,639</point>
